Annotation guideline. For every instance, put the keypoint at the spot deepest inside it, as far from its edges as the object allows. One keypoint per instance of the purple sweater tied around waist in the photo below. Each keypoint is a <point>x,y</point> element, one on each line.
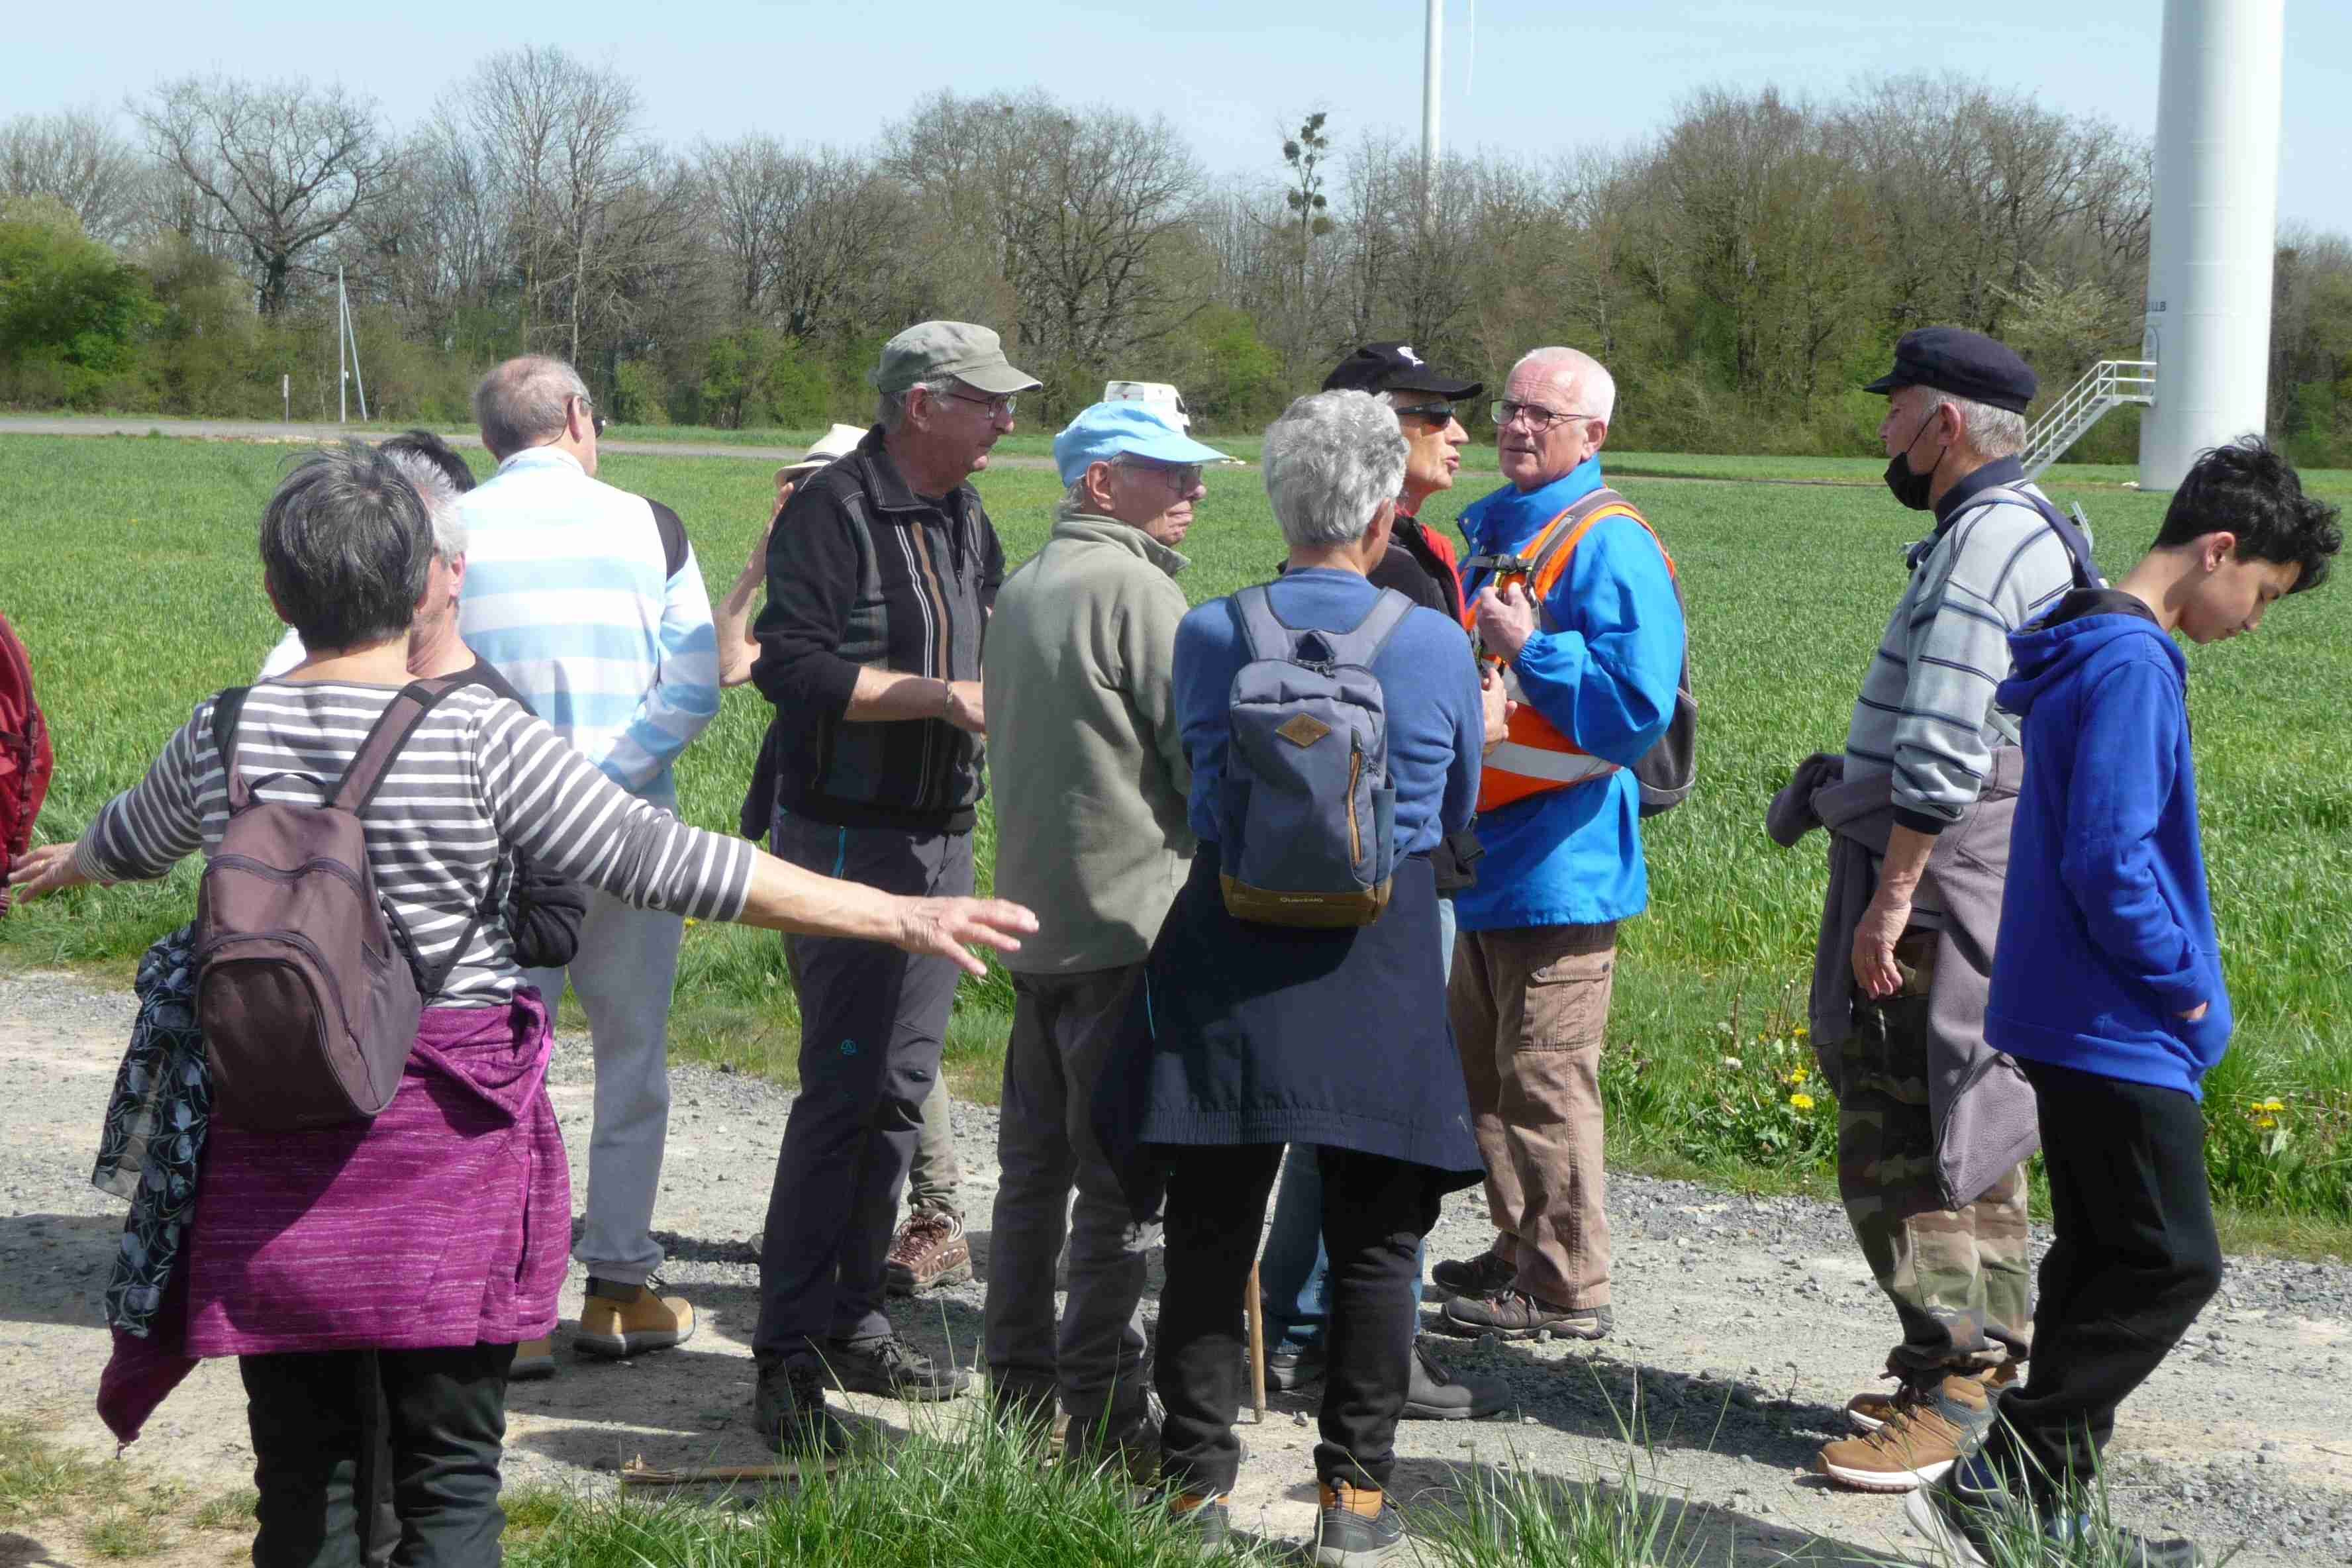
<point>446,1221</point>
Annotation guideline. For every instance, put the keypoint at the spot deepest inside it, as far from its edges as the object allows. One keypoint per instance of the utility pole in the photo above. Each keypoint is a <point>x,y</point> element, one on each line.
<point>1433,69</point>
<point>347,336</point>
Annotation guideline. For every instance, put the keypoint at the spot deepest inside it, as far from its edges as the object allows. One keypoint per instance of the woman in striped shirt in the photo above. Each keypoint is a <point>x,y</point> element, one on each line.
<point>381,1274</point>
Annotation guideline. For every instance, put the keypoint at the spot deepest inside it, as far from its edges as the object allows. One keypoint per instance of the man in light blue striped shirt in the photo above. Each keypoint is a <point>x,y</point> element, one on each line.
<point>589,601</point>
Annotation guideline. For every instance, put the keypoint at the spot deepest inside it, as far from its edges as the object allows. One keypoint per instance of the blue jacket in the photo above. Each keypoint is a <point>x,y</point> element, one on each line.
<point>1606,679</point>
<point>2106,932</point>
<point>1428,682</point>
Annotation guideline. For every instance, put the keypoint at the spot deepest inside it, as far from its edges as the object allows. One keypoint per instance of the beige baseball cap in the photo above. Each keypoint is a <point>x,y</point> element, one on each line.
<point>973,355</point>
<point>837,442</point>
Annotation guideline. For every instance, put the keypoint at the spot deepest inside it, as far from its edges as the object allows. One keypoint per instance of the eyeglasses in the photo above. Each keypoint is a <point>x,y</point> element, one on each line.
<point>1540,419</point>
<point>596,420</point>
<point>998,408</point>
<point>1184,477</point>
<point>1435,413</point>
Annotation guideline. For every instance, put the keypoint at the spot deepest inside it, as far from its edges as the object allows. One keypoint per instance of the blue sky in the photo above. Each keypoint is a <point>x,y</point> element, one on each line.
<point>1535,75</point>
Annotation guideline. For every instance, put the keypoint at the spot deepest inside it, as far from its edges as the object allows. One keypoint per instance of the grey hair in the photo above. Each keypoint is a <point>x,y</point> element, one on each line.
<point>1596,389</point>
<point>523,402</point>
<point>345,546</point>
<point>1330,460</point>
<point>1990,432</point>
<point>890,407</point>
<point>440,497</point>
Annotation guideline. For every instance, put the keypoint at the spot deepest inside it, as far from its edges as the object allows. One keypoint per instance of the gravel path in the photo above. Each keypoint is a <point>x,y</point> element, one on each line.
<point>1743,1326</point>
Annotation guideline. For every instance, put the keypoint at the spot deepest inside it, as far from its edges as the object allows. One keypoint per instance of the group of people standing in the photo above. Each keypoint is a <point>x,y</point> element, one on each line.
<point>1171,1041</point>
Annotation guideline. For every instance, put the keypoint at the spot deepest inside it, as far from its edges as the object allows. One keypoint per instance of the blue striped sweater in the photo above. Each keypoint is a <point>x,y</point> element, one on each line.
<point>572,595</point>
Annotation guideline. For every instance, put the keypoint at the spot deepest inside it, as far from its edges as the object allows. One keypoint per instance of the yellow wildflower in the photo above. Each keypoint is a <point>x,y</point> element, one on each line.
<point>1800,1031</point>
<point>2272,1105</point>
<point>2266,1122</point>
<point>1799,1076</point>
<point>1801,1102</point>
<point>692,922</point>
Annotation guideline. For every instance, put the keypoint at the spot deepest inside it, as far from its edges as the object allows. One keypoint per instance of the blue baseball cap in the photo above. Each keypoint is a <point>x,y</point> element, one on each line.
<point>1109,430</point>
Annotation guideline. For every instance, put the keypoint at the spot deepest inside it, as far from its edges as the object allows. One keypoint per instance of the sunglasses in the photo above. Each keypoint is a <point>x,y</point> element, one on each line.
<point>1435,413</point>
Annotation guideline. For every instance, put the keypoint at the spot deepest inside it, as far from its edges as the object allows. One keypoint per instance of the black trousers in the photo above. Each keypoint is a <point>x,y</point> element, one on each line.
<point>2133,1261</point>
<point>1375,1212</point>
<point>873,1020</point>
<point>322,1424</point>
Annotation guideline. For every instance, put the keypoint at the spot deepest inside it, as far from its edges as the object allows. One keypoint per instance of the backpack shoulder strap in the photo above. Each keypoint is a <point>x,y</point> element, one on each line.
<point>1558,546</point>
<point>226,708</point>
<point>401,716</point>
<point>1363,644</point>
<point>1262,629</point>
<point>2069,533</point>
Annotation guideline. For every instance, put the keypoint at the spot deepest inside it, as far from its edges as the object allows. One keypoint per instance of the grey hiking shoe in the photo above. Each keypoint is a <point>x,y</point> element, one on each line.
<point>887,1367</point>
<point>1204,1519</point>
<point>789,1411</point>
<point>1289,1368</point>
<point>1359,1530</point>
<point>1439,1394</point>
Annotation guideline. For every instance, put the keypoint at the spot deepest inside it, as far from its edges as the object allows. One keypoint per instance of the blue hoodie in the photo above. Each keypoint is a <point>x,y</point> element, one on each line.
<point>2107,930</point>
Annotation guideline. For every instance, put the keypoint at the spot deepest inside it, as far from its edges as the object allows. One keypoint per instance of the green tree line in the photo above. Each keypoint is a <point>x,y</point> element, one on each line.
<point>1741,271</point>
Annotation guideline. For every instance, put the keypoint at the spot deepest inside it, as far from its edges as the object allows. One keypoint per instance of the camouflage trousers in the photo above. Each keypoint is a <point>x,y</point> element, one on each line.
<point>1961,1280</point>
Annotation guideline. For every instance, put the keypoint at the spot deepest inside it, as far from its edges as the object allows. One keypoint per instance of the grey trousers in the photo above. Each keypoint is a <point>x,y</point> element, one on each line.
<point>1062,1029</point>
<point>871,1022</point>
<point>623,970</point>
<point>935,1181</point>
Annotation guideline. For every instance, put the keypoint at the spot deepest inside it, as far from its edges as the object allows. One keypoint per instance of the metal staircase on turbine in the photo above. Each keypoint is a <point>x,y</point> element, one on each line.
<point>2108,384</point>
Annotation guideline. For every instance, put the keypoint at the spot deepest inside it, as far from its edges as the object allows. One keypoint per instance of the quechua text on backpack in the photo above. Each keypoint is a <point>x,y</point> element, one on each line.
<point>1307,771</point>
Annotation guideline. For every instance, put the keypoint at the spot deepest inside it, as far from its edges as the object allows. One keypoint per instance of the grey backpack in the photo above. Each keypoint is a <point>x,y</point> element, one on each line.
<point>307,988</point>
<point>1307,771</point>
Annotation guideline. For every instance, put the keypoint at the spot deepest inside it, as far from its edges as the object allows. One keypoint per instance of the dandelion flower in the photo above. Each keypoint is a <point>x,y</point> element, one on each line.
<point>692,922</point>
<point>1801,1031</point>
<point>2266,1123</point>
<point>2272,1105</point>
<point>1801,1102</point>
<point>1799,1075</point>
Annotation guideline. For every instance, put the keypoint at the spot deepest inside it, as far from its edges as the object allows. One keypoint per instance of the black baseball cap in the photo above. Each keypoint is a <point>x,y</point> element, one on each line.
<point>1964,363</point>
<point>1395,367</point>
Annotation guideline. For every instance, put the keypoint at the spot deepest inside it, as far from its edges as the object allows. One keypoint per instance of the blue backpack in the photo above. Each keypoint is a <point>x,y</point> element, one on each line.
<point>1307,772</point>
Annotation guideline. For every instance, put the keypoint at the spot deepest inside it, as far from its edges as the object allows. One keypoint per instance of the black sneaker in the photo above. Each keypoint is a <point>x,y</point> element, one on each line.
<point>1439,1394</point>
<point>886,1366</point>
<point>1516,1315</point>
<point>1293,1367</point>
<point>1967,1516</point>
<point>1348,1537</point>
<point>788,1408</point>
<point>1480,1276</point>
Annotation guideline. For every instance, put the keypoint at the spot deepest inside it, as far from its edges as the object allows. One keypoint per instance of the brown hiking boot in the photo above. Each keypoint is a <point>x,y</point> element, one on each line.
<point>1516,1315</point>
<point>1926,1432</point>
<point>630,1319</point>
<point>533,1359</point>
<point>1870,1409</point>
<point>930,1249</point>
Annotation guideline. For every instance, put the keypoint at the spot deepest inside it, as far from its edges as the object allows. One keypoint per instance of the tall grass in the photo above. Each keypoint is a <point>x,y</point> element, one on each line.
<point>128,564</point>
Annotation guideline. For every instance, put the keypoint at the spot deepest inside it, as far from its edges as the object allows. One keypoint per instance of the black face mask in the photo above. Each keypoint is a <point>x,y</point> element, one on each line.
<point>1907,487</point>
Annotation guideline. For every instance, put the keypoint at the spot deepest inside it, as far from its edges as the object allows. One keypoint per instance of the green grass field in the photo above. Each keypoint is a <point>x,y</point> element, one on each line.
<point>129,565</point>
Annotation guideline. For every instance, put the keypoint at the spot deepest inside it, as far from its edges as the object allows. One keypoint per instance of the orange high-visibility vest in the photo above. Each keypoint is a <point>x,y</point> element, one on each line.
<point>1535,757</point>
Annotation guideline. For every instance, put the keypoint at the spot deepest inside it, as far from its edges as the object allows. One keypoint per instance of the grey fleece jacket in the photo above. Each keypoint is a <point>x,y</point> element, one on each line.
<point>1086,755</point>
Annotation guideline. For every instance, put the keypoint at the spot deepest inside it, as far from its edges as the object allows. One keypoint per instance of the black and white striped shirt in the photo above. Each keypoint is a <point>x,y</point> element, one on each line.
<point>478,773</point>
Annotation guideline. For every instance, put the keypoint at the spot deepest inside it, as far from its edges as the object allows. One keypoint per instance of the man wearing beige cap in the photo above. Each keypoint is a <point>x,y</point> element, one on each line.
<point>881,572</point>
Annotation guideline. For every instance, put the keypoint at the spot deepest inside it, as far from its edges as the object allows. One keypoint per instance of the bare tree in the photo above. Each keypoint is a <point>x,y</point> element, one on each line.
<point>808,238</point>
<point>1078,210</point>
<point>282,166</point>
<point>74,157</point>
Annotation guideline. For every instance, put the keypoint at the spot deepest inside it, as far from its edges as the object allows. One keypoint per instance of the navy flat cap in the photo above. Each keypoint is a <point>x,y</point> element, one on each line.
<point>1964,363</point>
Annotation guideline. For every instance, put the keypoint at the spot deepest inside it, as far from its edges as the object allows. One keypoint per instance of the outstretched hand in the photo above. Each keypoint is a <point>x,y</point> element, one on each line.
<point>950,928</point>
<point>48,869</point>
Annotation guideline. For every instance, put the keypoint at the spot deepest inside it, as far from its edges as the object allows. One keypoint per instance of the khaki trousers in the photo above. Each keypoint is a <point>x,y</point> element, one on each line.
<point>1529,1007</point>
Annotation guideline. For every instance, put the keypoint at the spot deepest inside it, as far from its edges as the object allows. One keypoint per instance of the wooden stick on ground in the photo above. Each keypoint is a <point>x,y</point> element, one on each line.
<point>1253,1308</point>
<point>637,1473</point>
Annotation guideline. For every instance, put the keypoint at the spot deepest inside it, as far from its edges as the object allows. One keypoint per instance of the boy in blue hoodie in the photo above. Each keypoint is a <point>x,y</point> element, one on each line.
<point>2107,982</point>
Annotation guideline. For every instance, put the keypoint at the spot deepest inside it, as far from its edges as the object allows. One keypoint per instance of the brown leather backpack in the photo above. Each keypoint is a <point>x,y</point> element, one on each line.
<point>307,987</point>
